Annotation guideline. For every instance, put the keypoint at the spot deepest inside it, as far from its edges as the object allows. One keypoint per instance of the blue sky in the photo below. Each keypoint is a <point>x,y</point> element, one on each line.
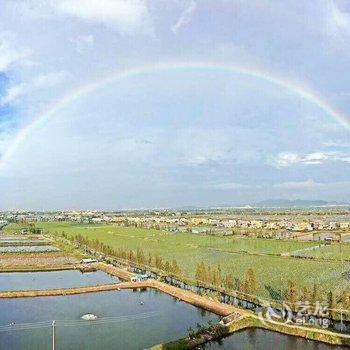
<point>172,137</point>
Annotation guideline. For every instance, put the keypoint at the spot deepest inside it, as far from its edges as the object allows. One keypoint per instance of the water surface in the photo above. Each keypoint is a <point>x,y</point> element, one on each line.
<point>28,249</point>
<point>260,339</point>
<point>127,320</point>
<point>53,280</point>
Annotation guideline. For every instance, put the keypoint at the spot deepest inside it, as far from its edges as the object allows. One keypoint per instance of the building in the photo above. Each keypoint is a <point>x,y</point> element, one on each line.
<point>139,278</point>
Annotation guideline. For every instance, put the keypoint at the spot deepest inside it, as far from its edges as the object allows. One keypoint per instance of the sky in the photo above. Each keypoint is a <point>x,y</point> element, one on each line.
<point>109,104</point>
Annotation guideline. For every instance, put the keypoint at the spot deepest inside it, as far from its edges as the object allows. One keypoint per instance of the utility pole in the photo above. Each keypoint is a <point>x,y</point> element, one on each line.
<point>53,335</point>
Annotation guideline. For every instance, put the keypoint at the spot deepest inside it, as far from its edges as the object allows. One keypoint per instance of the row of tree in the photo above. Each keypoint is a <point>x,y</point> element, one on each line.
<point>137,257</point>
<point>214,276</point>
<point>293,295</point>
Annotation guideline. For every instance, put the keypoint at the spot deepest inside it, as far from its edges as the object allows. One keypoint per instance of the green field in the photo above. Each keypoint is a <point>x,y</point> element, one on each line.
<point>235,255</point>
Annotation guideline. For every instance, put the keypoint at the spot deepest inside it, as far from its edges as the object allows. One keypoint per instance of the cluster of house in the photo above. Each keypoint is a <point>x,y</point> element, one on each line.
<point>288,225</point>
<point>177,222</point>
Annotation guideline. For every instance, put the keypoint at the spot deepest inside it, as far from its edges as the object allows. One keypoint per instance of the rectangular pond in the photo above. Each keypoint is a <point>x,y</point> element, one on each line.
<point>28,249</point>
<point>53,280</point>
<point>126,320</point>
<point>22,242</point>
<point>7,238</point>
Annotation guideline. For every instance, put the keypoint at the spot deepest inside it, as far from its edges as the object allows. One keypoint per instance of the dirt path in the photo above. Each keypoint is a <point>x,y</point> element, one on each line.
<point>72,291</point>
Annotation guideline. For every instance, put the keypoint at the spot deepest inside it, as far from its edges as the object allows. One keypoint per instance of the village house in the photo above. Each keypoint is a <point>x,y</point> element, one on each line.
<point>344,225</point>
<point>256,224</point>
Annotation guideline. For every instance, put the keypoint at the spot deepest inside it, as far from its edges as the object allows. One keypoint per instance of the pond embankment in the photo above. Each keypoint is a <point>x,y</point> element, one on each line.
<point>186,296</point>
<point>252,321</point>
<point>73,291</point>
<point>243,318</point>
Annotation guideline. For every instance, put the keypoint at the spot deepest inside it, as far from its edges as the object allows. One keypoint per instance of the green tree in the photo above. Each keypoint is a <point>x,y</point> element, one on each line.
<point>175,268</point>
<point>332,304</point>
<point>159,262</point>
<point>315,295</point>
<point>167,266</point>
<point>292,293</point>
<point>229,281</point>
<point>306,294</point>
<point>249,285</point>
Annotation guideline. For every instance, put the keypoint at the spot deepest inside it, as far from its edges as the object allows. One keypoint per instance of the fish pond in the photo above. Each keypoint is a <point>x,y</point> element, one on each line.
<point>28,249</point>
<point>10,281</point>
<point>125,320</point>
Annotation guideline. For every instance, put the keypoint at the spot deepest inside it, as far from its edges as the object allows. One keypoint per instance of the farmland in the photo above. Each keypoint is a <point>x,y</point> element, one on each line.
<point>234,255</point>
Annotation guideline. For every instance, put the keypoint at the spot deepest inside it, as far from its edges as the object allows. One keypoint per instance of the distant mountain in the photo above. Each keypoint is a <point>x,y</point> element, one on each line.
<point>287,203</point>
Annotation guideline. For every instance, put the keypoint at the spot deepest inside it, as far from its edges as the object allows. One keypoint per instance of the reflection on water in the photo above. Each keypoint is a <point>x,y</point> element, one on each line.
<point>259,339</point>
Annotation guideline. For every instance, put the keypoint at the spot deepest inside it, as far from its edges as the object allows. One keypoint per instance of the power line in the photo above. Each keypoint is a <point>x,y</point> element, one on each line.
<point>72,323</point>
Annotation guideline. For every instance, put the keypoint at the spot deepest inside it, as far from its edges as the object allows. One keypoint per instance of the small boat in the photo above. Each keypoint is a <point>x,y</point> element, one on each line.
<point>89,317</point>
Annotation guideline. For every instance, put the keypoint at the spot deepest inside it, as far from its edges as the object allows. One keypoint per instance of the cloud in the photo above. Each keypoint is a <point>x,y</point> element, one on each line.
<point>315,158</point>
<point>338,144</point>
<point>10,55</point>
<point>291,185</point>
<point>287,159</point>
<point>231,186</point>
<point>83,41</point>
<point>128,17</point>
<point>12,93</point>
<point>50,79</point>
<point>186,16</point>
<point>42,81</point>
<point>338,21</point>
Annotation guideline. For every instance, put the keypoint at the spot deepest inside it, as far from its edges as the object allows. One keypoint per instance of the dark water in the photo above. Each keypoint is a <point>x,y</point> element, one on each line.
<point>127,320</point>
<point>259,339</point>
<point>53,279</point>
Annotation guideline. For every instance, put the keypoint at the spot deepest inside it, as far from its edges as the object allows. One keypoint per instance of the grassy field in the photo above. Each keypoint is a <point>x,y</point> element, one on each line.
<point>234,255</point>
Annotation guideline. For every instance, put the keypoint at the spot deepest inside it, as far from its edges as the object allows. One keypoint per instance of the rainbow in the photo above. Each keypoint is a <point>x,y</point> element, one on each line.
<point>294,87</point>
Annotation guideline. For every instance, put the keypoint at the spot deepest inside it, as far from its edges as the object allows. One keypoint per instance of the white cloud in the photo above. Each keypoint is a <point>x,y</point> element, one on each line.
<point>297,185</point>
<point>338,20</point>
<point>315,158</point>
<point>338,144</point>
<point>42,81</point>
<point>50,79</point>
<point>287,159</point>
<point>7,132</point>
<point>125,16</point>
<point>186,16</point>
<point>10,55</point>
<point>199,146</point>
<point>83,41</point>
<point>12,93</point>
<point>231,186</point>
